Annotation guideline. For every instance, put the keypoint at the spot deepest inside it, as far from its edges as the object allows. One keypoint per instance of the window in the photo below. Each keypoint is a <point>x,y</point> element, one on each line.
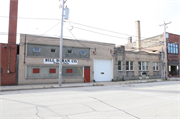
<point>119,65</point>
<point>155,66</point>
<point>83,53</point>
<point>35,70</point>
<point>143,66</point>
<point>53,50</point>
<point>173,48</point>
<point>70,51</point>
<point>36,49</point>
<point>52,71</point>
<point>129,65</point>
<point>69,71</point>
<point>139,65</point>
<point>146,65</point>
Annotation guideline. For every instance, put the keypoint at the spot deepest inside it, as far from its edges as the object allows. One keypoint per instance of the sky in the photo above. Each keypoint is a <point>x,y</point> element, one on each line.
<point>40,17</point>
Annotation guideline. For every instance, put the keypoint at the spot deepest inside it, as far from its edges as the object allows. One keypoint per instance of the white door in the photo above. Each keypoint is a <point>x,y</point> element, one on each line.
<point>102,70</point>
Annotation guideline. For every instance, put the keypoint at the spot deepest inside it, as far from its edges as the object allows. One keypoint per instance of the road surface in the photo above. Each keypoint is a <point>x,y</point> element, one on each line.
<point>158,100</point>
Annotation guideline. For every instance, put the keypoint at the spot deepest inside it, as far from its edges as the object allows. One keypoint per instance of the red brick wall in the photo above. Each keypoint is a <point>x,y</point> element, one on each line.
<point>173,38</point>
<point>8,79</point>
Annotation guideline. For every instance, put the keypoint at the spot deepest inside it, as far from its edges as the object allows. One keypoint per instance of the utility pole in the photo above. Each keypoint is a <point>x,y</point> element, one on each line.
<point>61,46</point>
<point>163,70</point>
<point>165,48</point>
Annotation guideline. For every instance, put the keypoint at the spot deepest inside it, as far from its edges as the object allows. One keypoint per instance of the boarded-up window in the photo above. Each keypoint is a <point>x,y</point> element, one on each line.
<point>35,70</point>
<point>53,50</point>
<point>70,51</point>
<point>36,49</point>
<point>69,70</point>
<point>52,71</point>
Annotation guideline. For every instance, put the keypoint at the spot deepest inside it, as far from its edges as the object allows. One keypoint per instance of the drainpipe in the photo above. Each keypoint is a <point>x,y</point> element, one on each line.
<point>8,71</point>
<point>24,49</point>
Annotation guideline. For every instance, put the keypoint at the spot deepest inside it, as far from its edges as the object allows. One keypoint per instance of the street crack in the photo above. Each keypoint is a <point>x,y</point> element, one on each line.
<point>38,112</point>
<point>89,107</point>
<point>115,107</point>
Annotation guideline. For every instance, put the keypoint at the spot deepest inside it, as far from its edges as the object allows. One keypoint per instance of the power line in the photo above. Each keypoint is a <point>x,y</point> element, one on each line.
<point>74,26</point>
<point>40,35</point>
<point>78,40</point>
<point>79,28</point>
<point>74,35</point>
<point>45,32</point>
<point>99,33</point>
<point>102,29</point>
<point>31,18</point>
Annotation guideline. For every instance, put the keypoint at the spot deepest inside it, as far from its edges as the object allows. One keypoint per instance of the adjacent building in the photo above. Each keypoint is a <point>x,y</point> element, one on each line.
<point>156,45</point>
<point>83,61</point>
<point>131,65</point>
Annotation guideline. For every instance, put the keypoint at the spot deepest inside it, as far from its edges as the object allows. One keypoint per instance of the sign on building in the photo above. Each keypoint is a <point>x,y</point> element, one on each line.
<point>64,61</point>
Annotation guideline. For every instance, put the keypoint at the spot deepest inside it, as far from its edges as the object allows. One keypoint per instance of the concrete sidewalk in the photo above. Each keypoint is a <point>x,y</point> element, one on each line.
<point>173,79</point>
<point>70,85</point>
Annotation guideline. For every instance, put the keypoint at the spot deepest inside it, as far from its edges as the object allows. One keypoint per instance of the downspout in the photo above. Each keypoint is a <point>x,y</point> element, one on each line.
<point>9,59</point>
<point>24,49</point>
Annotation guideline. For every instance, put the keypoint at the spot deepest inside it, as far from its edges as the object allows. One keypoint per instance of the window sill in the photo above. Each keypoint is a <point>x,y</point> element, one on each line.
<point>126,70</point>
<point>42,78</point>
<point>173,54</point>
<point>58,57</point>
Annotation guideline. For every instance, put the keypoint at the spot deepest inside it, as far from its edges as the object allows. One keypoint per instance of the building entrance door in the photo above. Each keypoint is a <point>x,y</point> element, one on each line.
<point>173,71</point>
<point>86,74</point>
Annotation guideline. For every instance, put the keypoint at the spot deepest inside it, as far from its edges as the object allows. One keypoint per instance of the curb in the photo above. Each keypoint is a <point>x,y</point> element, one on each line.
<point>42,87</point>
<point>173,79</point>
<point>33,87</point>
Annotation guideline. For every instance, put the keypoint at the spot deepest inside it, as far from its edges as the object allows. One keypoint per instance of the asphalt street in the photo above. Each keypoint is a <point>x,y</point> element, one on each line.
<point>157,100</point>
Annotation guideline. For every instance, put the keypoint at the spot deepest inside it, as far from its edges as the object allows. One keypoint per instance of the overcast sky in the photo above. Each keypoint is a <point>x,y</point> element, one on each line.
<point>114,15</point>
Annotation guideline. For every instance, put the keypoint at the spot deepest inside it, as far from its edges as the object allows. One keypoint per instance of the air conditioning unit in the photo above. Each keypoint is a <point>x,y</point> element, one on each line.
<point>143,73</point>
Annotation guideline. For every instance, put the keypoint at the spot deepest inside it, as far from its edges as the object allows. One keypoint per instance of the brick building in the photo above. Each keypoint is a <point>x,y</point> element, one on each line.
<point>132,64</point>
<point>8,63</point>
<point>173,56</point>
<point>9,50</point>
<point>83,61</point>
<point>156,45</point>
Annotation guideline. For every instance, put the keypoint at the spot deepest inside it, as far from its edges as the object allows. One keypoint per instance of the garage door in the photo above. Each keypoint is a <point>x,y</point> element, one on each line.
<point>102,70</point>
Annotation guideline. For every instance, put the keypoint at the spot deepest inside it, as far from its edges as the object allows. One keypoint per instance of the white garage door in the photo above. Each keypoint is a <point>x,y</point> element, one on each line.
<point>102,70</point>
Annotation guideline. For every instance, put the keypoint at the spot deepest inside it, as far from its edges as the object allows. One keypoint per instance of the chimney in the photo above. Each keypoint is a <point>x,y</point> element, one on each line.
<point>13,21</point>
<point>138,36</point>
<point>129,40</point>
